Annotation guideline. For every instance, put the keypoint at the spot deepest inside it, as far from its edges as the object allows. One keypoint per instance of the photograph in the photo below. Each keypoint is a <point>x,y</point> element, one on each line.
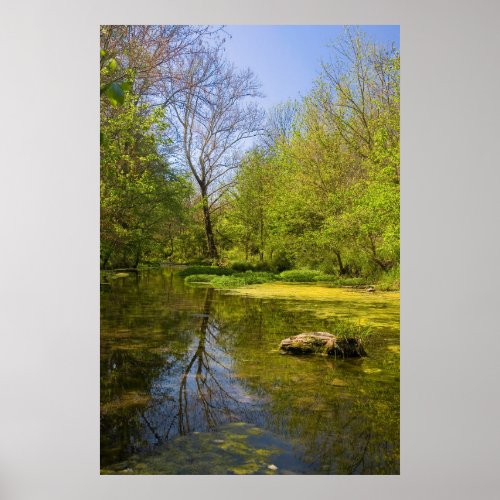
<point>249,249</point>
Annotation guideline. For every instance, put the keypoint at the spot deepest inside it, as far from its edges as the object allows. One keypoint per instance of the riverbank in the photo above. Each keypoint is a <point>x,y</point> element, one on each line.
<point>227,278</point>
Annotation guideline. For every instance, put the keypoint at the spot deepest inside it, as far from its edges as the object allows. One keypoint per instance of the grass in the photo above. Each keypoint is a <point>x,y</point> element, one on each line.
<point>242,279</point>
<point>347,329</point>
<point>234,280</point>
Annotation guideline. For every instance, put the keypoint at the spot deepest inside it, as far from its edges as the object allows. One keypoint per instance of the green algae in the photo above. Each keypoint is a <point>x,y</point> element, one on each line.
<point>380,309</point>
<point>127,400</point>
<point>239,448</point>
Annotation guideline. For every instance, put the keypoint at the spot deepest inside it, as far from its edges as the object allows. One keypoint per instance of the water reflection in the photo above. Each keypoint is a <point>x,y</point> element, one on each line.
<point>207,394</point>
<point>180,363</point>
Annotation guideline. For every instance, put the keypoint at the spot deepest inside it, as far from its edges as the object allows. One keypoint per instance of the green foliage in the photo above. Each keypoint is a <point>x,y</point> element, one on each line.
<point>205,270</point>
<point>348,329</point>
<point>389,281</point>
<point>326,278</point>
<point>242,266</point>
<point>114,89</point>
<point>242,279</point>
<point>115,94</point>
<point>304,275</point>
<point>326,194</point>
<point>142,198</point>
<point>350,282</point>
<point>280,263</point>
<point>256,266</point>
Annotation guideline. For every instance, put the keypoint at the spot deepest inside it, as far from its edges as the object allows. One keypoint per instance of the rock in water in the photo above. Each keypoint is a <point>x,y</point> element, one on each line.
<point>323,343</point>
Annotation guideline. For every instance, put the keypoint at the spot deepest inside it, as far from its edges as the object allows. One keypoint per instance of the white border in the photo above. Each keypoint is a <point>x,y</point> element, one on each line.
<point>49,199</point>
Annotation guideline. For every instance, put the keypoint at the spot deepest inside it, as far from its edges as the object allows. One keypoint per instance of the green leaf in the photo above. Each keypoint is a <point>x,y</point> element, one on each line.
<point>102,52</point>
<point>112,64</point>
<point>115,94</point>
<point>103,139</point>
<point>126,86</point>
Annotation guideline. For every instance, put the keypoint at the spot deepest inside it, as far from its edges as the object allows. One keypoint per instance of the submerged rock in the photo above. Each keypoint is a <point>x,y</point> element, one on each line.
<point>323,343</point>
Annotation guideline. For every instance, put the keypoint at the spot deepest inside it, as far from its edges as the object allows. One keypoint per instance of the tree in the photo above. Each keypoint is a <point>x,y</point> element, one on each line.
<point>141,195</point>
<point>248,215</point>
<point>151,53</point>
<point>333,199</point>
<point>280,123</point>
<point>214,118</point>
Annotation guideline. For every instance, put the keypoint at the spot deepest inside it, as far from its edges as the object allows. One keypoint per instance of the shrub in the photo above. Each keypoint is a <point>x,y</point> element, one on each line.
<point>280,263</point>
<point>302,276</point>
<point>262,267</point>
<point>241,267</point>
<point>233,281</point>
<point>218,271</point>
<point>390,280</point>
<point>347,282</point>
<point>242,279</point>
<point>326,277</point>
<point>350,281</point>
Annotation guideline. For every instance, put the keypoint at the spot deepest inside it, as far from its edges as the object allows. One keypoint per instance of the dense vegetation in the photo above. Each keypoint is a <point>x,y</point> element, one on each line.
<point>319,188</point>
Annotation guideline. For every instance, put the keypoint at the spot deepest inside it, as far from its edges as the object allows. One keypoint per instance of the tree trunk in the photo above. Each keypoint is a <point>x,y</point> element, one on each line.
<point>212,247</point>
<point>383,265</point>
<point>261,235</point>
<point>105,260</point>
<point>342,269</point>
<point>137,258</point>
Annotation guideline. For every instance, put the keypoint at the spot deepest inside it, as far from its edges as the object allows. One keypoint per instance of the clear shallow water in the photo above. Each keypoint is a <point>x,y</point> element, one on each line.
<point>192,382</point>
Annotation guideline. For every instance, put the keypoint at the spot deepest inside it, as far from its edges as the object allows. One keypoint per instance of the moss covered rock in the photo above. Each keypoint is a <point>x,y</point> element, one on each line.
<point>323,343</point>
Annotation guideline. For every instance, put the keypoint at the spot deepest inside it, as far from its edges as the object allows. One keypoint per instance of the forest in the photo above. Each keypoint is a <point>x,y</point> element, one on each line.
<point>194,171</point>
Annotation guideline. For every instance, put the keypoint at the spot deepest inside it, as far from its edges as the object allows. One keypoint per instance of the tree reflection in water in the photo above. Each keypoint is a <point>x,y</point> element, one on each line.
<point>191,391</point>
<point>214,400</point>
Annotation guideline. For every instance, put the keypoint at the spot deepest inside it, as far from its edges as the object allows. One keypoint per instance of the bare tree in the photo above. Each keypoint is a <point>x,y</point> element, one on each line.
<point>364,87</point>
<point>150,53</point>
<point>280,123</point>
<point>215,116</point>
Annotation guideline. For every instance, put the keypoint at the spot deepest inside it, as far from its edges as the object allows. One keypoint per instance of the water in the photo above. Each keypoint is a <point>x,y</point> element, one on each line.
<point>192,381</point>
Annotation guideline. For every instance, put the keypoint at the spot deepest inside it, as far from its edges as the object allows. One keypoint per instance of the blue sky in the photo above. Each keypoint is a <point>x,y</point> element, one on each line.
<point>287,59</point>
